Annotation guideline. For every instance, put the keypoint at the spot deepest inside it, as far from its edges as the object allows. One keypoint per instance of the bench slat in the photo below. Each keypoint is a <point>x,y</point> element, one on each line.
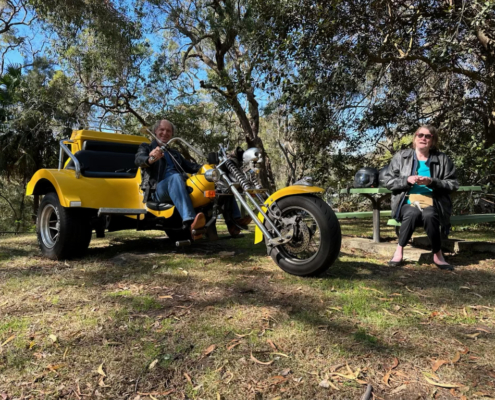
<point>459,219</point>
<point>362,214</point>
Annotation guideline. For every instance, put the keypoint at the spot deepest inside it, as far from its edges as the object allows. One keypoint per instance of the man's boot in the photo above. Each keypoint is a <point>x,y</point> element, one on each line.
<point>198,223</point>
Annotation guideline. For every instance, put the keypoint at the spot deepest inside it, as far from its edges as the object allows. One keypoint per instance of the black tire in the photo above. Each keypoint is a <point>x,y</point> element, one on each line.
<point>177,235</point>
<point>324,222</point>
<point>62,233</point>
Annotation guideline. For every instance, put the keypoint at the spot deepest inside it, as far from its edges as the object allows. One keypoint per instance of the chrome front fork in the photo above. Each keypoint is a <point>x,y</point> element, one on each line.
<point>274,241</point>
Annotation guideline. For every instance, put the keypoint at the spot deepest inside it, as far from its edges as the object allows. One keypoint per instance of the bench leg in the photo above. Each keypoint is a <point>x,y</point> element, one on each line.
<point>376,216</point>
<point>376,225</point>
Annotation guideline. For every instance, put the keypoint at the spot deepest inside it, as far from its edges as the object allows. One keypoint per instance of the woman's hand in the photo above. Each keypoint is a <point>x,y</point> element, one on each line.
<point>155,155</point>
<point>412,179</point>
<point>423,180</point>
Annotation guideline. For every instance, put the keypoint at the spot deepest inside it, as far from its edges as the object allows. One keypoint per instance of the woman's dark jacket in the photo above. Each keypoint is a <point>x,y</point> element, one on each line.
<point>152,173</point>
<point>443,182</point>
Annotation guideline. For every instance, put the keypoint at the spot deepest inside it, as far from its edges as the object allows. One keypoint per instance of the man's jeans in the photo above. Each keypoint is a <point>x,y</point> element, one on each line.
<point>173,188</point>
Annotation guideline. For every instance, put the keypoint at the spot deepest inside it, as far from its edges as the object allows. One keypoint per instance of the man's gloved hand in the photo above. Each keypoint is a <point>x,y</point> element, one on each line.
<point>155,155</point>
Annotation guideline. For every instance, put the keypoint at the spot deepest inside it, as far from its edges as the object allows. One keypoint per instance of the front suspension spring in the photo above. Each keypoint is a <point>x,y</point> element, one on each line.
<point>256,181</point>
<point>238,175</point>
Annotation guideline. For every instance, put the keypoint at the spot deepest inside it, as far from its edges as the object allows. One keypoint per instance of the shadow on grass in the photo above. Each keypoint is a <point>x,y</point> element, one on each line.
<point>245,286</point>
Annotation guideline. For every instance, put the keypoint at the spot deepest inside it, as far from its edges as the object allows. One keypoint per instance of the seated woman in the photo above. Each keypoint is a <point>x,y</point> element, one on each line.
<point>421,180</point>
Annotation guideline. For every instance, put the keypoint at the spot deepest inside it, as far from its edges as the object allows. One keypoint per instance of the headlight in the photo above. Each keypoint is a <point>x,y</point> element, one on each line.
<point>212,175</point>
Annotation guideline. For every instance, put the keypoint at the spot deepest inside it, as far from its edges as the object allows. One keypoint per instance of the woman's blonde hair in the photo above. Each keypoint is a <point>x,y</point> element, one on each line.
<point>434,136</point>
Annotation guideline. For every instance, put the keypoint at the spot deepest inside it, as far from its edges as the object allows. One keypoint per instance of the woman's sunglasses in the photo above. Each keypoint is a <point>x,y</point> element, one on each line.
<point>424,135</point>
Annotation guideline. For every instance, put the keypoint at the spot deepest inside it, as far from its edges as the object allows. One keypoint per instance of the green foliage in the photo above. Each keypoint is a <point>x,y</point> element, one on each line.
<point>354,74</point>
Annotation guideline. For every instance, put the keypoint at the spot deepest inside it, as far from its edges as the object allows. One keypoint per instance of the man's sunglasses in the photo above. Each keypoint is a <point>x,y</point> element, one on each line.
<point>424,135</point>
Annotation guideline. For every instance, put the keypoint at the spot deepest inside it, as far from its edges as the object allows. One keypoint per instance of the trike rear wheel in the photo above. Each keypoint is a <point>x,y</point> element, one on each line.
<point>62,233</point>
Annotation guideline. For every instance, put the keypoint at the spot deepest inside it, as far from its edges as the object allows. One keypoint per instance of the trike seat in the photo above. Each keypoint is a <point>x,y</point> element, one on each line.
<point>105,164</point>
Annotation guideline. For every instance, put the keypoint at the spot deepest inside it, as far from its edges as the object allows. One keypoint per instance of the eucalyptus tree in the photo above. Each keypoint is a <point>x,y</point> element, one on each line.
<point>361,71</point>
<point>36,106</point>
<point>215,43</point>
<point>102,45</point>
<point>15,23</point>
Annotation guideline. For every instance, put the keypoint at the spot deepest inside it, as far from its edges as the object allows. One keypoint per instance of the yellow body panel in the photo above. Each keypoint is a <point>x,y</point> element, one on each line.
<point>79,137</point>
<point>288,191</point>
<point>91,192</point>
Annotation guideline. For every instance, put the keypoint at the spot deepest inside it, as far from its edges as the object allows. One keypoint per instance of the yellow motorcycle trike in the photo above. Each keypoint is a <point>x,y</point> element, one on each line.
<point>99,188</point>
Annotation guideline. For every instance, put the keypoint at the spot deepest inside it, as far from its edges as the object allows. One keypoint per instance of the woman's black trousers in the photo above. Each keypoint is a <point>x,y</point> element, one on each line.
<point>413,218</point>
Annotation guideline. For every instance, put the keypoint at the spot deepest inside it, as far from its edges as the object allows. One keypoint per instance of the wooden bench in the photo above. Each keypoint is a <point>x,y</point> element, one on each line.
<point>377,195</point>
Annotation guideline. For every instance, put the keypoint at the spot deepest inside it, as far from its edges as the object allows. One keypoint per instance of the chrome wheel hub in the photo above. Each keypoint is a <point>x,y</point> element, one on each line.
<point>49,226</point>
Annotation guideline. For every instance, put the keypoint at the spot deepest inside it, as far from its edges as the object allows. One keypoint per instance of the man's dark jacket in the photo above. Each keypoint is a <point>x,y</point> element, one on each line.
<point>157,169</point>
<point>443,182</point>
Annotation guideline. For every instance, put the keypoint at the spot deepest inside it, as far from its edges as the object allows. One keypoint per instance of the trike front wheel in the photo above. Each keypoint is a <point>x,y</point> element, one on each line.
<point>317,238</point>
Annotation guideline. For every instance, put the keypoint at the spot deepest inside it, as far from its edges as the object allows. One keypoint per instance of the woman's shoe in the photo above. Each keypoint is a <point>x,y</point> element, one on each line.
<point>395,263</point>
<point>446,267</point>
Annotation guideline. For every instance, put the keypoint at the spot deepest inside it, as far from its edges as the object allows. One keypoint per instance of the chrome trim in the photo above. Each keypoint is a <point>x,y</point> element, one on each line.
<point>121,211</point>
<point>258,207</point>
<point>174,139</point>
<point>47,224</point>
<point>63,147</point>
<point>212,175</point>
<point>271,240</point>
<point>198,152</point>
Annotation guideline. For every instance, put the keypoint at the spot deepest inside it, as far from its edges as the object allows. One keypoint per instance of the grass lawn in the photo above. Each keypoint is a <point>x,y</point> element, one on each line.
<point>138,319</point>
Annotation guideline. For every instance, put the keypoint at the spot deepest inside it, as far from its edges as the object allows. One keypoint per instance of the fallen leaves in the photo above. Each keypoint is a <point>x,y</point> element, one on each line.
<point>327,384</point>
<point>53,338</point>
<point>8,340</point>
<point>437,364</point>
<point>103,375</point>
<point>374,290</point>
<point>100,370</point>
<point>233,344</point>
<point>209,350</point>
<point>188,378</point>
<point>457,357</point>
<point>272,345</point>
<point>153,364</point>
<point>473,336</point>
<point>260,362</point>
<point>441,384</point>
<point>386,377</point>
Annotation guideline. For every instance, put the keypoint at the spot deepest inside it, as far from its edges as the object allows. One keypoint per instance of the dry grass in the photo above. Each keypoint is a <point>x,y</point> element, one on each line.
<point>183,324</point>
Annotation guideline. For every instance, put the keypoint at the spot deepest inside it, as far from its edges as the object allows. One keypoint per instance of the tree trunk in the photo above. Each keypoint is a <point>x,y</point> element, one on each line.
<point>250,129</point>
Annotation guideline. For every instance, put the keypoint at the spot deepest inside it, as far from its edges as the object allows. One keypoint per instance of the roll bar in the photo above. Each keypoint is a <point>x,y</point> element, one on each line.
<point>64,148</point>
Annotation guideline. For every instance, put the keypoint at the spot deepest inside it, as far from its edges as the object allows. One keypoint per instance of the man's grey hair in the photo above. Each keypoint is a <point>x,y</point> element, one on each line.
<point>158,122</point>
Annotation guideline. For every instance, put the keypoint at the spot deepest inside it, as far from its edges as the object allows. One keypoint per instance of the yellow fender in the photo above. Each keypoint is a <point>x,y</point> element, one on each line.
<point>288,191</point>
